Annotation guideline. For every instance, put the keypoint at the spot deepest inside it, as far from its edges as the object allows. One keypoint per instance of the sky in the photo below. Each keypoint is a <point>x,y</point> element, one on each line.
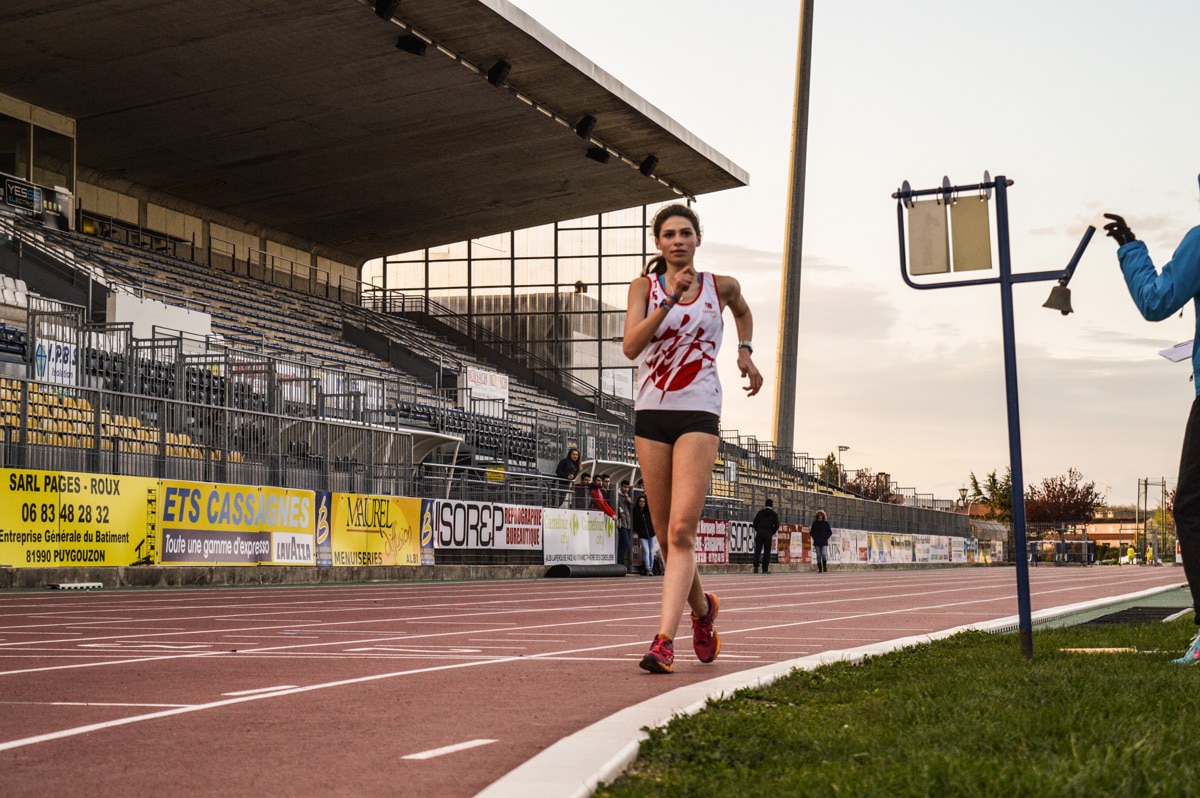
<point>1089,107</point>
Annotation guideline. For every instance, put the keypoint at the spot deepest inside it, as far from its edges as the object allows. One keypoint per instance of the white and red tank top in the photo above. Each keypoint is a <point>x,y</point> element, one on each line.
<point>678,368</point>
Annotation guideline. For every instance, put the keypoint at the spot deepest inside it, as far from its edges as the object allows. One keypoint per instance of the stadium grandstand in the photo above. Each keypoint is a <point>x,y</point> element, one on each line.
<point>375,248</point>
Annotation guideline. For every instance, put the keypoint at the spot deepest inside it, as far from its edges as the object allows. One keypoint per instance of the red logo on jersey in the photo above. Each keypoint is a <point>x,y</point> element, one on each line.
<point>678,358</point>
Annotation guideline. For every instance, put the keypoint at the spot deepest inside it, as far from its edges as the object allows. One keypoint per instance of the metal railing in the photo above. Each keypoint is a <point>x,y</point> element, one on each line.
<point>393,301</point>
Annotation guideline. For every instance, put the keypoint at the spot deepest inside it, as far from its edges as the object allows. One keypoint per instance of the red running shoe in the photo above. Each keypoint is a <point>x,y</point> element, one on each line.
<point>705,639</point>
<point>660,657</point>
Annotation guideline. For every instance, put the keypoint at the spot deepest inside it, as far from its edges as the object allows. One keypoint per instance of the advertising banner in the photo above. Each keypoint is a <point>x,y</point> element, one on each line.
<point>213,524</point>
<point>50,206</point>
<point>56,519</point>
<point>791,544</point>
<point>921,548</point>
<point>997,551</point>
<point>741,537</point>
<point>484,525</point>
<point>374,530</point>
<point>846,546</point>
<point>783,543</point>
<point>712,539</point>
<point>324,533</point>
<point>55,361</point>
<point>886,548</point>
<point>958,550</point>
<point>427,555</point>
<point>939,549</point>
<point>800,545</point>
<point>578,537</point>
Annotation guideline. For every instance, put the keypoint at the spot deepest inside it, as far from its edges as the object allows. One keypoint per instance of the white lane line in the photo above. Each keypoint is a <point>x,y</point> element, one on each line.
<point>262,690</point>
<point>448,749</point>
<point>478,614</point>
<point>417,650</point>
<point>91,727</point>
<point>138,646</point>
<point>527,629</point>
<point>108,704</point>
<point>84,704</point>
<point>309,648</point>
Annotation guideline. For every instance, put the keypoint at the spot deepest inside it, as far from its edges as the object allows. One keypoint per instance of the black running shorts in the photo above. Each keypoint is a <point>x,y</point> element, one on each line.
<point>666,426</point>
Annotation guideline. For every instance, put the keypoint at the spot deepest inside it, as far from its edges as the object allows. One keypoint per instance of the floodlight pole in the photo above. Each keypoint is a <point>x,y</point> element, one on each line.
<point>1005,281</point>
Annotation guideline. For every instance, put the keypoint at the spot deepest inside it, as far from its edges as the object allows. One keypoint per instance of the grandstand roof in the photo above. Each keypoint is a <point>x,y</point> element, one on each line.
<point>305,118</point>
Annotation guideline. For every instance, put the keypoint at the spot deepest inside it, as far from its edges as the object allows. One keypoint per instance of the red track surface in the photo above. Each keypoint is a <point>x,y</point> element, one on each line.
<point>325,690</point>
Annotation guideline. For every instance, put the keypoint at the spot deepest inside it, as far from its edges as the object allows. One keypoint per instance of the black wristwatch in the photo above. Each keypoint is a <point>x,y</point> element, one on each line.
<point>746,345</point>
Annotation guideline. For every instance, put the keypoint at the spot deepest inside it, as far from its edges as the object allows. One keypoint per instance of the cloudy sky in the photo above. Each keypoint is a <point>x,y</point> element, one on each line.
<point>1088,106</point>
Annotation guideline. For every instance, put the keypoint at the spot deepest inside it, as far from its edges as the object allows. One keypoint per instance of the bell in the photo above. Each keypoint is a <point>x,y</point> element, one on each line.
<point>1060,299</point>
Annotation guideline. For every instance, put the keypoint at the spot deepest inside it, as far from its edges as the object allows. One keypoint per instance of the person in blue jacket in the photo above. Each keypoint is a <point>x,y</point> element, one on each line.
<point>1158,295</point>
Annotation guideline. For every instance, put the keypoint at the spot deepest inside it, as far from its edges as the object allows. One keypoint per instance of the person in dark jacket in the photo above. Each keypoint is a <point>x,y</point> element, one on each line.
<point>568,470</point>
<point>820,532</point>
<point>624,526</point>
<point>765,524</point>
<point>643,527</point>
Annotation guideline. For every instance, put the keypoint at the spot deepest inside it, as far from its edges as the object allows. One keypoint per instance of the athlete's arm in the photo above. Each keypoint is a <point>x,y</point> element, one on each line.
<point>640,326</point>
<point>730,291</point>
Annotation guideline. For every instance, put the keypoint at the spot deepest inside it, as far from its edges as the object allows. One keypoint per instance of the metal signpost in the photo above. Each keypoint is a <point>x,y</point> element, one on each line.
<point>932,239</point>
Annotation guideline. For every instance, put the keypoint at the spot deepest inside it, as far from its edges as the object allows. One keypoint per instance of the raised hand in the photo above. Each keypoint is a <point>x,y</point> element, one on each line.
<point>1119,231</point>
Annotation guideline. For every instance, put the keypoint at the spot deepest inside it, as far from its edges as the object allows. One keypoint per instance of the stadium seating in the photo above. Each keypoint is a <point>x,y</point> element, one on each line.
<point>260,316</point>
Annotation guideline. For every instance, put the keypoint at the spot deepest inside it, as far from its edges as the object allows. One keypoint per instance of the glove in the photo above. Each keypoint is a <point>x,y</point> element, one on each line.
<point>1119,231</point>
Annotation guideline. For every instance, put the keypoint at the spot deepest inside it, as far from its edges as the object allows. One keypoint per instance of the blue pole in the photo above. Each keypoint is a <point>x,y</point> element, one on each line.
<point>1025,622</point>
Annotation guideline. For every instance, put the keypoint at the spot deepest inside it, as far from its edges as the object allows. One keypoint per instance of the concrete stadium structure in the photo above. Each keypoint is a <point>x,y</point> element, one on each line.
<point>240,164</point>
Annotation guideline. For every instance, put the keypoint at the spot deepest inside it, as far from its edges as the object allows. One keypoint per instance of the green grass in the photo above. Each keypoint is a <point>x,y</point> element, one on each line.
<point>964,716</point>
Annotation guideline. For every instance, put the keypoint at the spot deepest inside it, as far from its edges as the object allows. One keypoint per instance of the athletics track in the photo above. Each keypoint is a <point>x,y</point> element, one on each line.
<point>433,689</point>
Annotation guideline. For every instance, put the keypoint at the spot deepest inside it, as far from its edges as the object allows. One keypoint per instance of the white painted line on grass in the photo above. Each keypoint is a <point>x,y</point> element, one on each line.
<point>449,749</point>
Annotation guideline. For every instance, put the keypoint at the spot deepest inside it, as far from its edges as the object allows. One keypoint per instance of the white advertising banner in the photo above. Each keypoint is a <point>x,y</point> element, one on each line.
<point>958,550</point>
<point>578,537</point>
<point>487,385</point>
<point>484,525</point>
<point>55,361</point>
<point>741,537</point>
<point>843,546</point>
<point>712,542</point>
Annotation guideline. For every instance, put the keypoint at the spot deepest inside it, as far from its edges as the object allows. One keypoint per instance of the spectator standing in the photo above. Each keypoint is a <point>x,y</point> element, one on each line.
<point>766,524</point>
<point>624,526</point>
<point>568,470</point>
<point>643,525</point>
<point>583,492</point>
<point>1160,295</point>
<point>820,532</point>
<point>598,501</point>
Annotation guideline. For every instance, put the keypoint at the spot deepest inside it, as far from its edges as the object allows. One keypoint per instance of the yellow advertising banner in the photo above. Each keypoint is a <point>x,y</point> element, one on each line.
<point>57,519</point>
<point>203,523</point>
<point>375,530</point>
